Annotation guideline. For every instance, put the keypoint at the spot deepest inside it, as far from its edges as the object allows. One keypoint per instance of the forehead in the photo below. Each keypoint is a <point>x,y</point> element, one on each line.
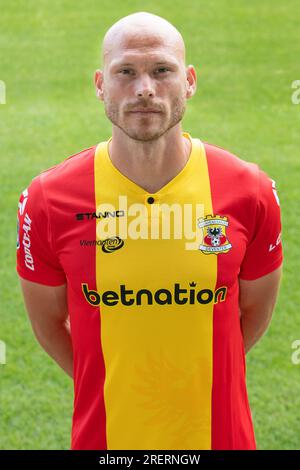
<point>143,48</point>
<point>134,57</point>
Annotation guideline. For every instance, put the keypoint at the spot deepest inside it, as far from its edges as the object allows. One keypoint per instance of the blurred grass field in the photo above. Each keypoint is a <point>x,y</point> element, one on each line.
<point>246,55</point>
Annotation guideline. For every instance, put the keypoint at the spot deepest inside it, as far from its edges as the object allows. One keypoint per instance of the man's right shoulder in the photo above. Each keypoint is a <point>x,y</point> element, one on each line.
<point>72,164</point>
<point>68,173</point>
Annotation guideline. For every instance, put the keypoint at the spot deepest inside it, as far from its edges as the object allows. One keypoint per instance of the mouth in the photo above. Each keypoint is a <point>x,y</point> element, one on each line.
<point>145,111</point>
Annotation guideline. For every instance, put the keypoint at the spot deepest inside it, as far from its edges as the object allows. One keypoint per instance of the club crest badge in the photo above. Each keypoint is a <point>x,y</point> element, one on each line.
<point>214,240</point>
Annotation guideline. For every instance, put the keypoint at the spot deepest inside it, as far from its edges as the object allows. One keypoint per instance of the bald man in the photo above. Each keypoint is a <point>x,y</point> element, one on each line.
<point>150,263</point>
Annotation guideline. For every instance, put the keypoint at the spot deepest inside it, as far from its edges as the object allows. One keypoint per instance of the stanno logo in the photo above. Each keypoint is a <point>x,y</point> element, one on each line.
<point>176,295</point>
<point>214,240</point>
<point>99,215</point>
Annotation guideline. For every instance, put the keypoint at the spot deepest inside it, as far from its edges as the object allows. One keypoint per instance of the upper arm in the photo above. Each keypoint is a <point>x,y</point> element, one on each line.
<point>42,278</point>
<point>264,253</point>
<point>46,305</point>
<point>36,257</point>
<point>260,294</point>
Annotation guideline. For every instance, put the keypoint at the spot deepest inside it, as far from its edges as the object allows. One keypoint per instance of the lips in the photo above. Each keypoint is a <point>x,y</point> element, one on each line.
<point>148,110</point>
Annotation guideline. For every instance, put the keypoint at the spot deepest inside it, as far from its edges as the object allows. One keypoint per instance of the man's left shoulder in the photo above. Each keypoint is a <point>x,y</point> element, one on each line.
<point>229,164</point>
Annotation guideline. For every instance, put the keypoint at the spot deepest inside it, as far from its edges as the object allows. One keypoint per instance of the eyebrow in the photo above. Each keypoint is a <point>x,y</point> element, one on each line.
<point>121,64</point>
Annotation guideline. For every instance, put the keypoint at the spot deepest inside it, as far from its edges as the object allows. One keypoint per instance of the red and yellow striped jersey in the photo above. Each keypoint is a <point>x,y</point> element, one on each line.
<point>153,285</point>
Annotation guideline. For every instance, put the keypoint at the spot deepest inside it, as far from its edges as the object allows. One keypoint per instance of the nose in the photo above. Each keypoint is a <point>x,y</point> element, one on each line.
<point>144,87</point>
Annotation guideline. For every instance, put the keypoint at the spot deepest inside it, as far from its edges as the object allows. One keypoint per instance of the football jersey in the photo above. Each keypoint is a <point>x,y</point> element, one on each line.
<point>153,286</point>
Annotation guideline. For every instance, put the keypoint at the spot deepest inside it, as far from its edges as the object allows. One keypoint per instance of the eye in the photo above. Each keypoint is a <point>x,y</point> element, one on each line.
<point>125,70</point>
<point>162,68</point>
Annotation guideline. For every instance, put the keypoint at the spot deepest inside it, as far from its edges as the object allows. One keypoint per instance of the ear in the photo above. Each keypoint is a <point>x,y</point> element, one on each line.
<point>191,84</point>
<point>98,79</point>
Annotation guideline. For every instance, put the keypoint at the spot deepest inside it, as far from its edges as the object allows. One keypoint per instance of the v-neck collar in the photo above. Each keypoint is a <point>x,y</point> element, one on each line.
<point>185,172</point>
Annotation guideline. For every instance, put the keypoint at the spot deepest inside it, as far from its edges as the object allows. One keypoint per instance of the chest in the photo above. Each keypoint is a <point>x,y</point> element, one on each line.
<point>141,245</point>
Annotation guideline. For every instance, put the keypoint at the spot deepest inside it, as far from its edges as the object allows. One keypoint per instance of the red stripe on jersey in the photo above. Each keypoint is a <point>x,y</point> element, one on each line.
<point>232,426</point>
<point>89,419</point>
<point>74,185</point>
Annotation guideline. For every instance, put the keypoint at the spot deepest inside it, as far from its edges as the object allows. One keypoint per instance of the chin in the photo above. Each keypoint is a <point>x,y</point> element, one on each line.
<point>146,136</point>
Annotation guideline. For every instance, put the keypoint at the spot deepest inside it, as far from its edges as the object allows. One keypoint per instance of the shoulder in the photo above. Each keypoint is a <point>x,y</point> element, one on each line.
<point>70,166</point>
<point>229,163</point>
<point>63,176</point>
<point>233,172</point>
<point>234,166</point>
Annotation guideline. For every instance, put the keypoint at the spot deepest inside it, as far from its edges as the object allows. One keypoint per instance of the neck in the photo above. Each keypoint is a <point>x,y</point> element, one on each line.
<point>150,164</point>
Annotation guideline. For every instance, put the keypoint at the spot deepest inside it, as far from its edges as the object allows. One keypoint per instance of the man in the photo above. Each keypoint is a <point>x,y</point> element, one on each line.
<point>159,326</point>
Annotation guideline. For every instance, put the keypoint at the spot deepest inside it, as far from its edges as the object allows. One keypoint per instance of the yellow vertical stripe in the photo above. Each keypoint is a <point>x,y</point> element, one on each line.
<point>158,358</point>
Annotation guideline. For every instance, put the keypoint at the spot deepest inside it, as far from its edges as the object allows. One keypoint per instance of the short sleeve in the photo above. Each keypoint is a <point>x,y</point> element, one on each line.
<point>264,252</point>
<point>36,259</point>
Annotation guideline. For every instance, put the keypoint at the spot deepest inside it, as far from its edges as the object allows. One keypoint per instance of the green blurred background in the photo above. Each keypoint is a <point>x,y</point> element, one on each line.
<point>246,55</point>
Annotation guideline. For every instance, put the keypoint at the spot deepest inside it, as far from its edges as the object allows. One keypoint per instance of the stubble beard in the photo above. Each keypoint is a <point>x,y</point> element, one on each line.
<point>146,132</point>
